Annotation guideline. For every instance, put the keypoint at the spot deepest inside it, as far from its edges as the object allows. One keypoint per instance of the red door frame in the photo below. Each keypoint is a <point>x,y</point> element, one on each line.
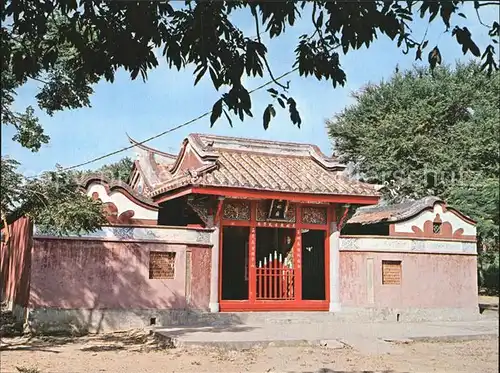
<point>270,305</point>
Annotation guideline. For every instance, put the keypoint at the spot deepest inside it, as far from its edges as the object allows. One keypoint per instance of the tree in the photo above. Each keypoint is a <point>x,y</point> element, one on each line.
<point>426,132</point>
<point>69,45</point>
<point>118,171</point>
<point>53,200</point>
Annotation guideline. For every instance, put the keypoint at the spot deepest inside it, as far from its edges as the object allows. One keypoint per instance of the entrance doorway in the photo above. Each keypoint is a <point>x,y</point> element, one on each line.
<point>313,264</point>
<point>275,273</point>
<point>235,263</point>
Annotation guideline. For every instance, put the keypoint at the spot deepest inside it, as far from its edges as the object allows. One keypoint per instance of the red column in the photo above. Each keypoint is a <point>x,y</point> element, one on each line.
<point>251,260</point>
<point>297,257</point>
<point>252,281</point>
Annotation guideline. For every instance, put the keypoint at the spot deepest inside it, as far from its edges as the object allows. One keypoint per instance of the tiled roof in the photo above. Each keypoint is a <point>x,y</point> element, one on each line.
<point>280,173</point>
<point>392,213</point>
<point>261,165</point>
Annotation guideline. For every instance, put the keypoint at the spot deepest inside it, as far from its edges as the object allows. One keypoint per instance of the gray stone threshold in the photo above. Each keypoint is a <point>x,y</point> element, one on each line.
<point>365,337</point>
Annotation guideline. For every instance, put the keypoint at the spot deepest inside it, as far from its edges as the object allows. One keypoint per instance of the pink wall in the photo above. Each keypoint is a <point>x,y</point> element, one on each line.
<point>428,281</point>
<point>95,274</point>
<point>15,262</point>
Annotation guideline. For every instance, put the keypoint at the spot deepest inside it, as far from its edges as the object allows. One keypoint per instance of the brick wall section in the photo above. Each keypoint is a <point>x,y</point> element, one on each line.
<point>161,265</point>
<point>391,272</point>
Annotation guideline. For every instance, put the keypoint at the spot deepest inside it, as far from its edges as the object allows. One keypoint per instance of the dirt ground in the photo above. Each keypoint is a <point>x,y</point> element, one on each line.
<point>140,353</point>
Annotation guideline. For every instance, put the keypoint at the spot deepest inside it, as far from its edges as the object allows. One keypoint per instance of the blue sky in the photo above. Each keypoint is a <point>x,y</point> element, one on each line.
<point>168,99</point>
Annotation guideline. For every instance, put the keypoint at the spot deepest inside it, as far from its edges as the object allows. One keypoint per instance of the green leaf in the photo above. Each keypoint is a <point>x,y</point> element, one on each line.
<point>434,57</point>
<point>273,92</point>
<point>200,74</point>
<point>319,20</point>
<point>216,112</point>
<point>268,113</point>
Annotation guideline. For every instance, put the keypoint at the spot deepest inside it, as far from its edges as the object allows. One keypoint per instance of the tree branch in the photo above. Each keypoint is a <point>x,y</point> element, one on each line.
<point>38,80</point>
<point>254,12</point>
<point>318,30</point>
<point>486,4</point>
<point>479,17</point>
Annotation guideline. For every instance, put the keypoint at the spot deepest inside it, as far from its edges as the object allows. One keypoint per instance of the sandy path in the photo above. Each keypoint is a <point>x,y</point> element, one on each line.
<point>139,354</point>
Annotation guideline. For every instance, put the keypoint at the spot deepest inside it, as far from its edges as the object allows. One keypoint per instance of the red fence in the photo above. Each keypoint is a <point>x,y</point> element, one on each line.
<point>275,280</point>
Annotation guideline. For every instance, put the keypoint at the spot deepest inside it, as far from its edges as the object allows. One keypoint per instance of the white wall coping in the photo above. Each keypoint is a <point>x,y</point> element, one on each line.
<point>172,235</point>
<point>406,245</point>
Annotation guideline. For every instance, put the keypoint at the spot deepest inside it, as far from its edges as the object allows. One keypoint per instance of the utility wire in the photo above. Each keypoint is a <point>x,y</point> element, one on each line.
<point>164,132</point>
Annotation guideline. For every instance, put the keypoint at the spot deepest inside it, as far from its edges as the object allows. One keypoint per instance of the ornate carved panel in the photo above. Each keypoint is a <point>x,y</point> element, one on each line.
<point>200,207</point>
<point>263,211</point>
<point>236,210</point>
<point>314,215</point>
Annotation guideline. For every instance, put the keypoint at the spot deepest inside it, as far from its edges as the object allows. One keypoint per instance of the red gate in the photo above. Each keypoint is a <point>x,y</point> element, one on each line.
<point>274,279</point>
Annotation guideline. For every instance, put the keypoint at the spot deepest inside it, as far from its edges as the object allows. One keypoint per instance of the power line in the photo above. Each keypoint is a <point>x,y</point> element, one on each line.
<point>164,132</point>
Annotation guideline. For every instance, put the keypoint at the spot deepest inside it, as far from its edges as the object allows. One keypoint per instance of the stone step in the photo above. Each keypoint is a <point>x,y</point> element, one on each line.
<point>315,317</point>
<point>251,318</point>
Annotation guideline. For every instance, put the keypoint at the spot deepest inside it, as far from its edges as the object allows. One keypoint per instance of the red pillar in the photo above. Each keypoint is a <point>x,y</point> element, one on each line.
<point>297,257</point>
<point>252,282</point>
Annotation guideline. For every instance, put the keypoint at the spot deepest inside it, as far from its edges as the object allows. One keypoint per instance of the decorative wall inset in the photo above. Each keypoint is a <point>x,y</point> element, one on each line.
<point>236,210</point>
<point>440,222</point>
<point>263,211</point>
<point>391,272</point>
<point>161,265</point>
<point>406,245</point>
<point>314,215</point>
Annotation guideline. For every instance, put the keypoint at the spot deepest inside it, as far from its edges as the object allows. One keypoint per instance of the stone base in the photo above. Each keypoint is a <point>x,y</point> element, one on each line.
<point>408,314</point>
<point>82,321</point>
<point>334,307</point>
<point>214,307</point>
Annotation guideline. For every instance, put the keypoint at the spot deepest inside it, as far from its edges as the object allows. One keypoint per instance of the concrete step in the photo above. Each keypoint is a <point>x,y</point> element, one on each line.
<point>263,318</point>
<point>314,317</point>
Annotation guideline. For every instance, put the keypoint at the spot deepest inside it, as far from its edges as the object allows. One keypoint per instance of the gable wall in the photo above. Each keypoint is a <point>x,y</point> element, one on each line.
<point>122,203</point>
<point>453,225</point>
<point>189,160</point>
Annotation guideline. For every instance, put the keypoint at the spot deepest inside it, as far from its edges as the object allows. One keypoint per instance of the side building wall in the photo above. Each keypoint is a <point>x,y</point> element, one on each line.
<point>104,282</point>
<point>15,262</point>
<point>408,279</point>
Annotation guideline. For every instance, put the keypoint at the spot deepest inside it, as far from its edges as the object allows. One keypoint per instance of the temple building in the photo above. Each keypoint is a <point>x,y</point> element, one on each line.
<point>236,225</point>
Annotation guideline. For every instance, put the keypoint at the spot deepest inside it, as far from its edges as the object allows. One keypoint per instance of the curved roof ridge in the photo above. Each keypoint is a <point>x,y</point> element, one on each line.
<point>391,213</point>
<point>230,143</point>
<point>115,184</point>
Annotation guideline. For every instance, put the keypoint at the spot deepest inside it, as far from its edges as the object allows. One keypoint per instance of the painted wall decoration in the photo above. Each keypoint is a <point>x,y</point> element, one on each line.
<point>405,245</point>
<point>120,208</point>
<point>440,222</point>
<point>314,215</point>
<point>173,235</point>
<point>236,210</point>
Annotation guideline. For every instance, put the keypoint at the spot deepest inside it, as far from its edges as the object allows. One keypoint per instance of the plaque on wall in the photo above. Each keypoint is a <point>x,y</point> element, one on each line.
<point>278,209</point>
